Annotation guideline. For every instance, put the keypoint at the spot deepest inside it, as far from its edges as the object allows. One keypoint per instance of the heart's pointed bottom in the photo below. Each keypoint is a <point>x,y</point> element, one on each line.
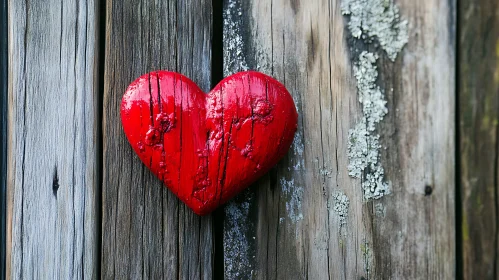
<point>206,148</point>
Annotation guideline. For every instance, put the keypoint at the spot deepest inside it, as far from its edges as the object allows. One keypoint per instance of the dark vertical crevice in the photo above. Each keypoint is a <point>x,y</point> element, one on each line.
<point>3,134</point>
<point>496,204</point>
<point>218,258</point>
<point>101,9</point>
<point>496,194</point>
<point>216,77</point>
<point>217,43</point>
<point>25,93</point>
<point>458,203</point>
<point>55,182</point>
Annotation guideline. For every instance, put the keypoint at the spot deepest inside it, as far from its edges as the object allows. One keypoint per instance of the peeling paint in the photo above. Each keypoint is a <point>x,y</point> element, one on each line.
<point>294,198</point>
<point>380,19</point>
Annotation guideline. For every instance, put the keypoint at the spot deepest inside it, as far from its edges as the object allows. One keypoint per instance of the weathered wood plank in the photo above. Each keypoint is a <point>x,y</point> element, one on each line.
<point>52,181</point>
<point>478,120</point>
<point>296,222</point>
<point>3,132</point>
<point>147,232</point>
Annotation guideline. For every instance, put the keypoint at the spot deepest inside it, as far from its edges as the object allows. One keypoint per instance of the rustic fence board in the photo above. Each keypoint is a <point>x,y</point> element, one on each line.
<point>478,120</point>
<point>287,226</point>
<point>290,224</point>
<point>52,176</point>
<point>3,131</point>
<point>147,232</point>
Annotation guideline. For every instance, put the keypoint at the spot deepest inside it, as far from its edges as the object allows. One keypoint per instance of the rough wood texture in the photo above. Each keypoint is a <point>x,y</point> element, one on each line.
<point>52,179</point>
<point>286,227</point>
<point>479,138</point>
<point>3,131</point>
<point>147,232</point>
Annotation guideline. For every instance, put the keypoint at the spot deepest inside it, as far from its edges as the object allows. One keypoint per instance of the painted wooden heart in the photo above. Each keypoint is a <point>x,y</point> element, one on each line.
<point>206,148</point>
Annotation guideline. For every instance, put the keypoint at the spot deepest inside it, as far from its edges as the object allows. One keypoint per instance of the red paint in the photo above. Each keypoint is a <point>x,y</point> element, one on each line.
<point>206,148</point>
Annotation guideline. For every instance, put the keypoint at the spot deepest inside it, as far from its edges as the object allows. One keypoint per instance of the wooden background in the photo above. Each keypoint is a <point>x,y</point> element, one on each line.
<point>3,130</point>
<point>478,112</point>
<point>76,202</point>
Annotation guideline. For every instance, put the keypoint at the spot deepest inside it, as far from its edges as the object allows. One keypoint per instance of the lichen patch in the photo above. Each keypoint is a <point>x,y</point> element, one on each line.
<point>369,19</point>
<point>341,205</point>
<point>294,196</point>
<point>370,95</point>
<point>363,144</point>
<point>235,240</point>
<point>298,148</point>
<point>363,149</point>
<point>380,19</point>
<point>235,60</point>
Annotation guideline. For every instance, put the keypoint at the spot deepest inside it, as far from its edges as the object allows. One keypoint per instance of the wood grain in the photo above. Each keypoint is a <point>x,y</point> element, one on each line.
<point>288,229</point>
<point>479,138</point>
<point>3,131</point>
<point>147,232</point>
<point>52,176</point>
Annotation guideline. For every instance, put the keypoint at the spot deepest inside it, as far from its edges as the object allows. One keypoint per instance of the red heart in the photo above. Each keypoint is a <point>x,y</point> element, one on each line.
<point>206,148</point>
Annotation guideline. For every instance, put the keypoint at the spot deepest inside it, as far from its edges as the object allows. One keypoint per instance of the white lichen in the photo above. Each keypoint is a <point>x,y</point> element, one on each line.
<point>363,154</point>
<point>326,172</point>
<point>341,205</point>
<point>298,148</point>
<point>235,240</point>
<point>363,149</point>
<point>367,19</point>
<point>370,95</point>
<point>264,64</point>
<point>374,185</point>
<point>234,59</point>
<point>363,143</point>
<point>380,19</point>
<point>294,196</point>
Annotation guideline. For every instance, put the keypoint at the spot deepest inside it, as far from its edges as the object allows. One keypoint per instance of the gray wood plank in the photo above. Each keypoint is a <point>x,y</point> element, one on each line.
<point>147,232</point>
<point>3,132</point>
<point>478,120</point>
<point>52,181</point>
<point>296,223</point>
